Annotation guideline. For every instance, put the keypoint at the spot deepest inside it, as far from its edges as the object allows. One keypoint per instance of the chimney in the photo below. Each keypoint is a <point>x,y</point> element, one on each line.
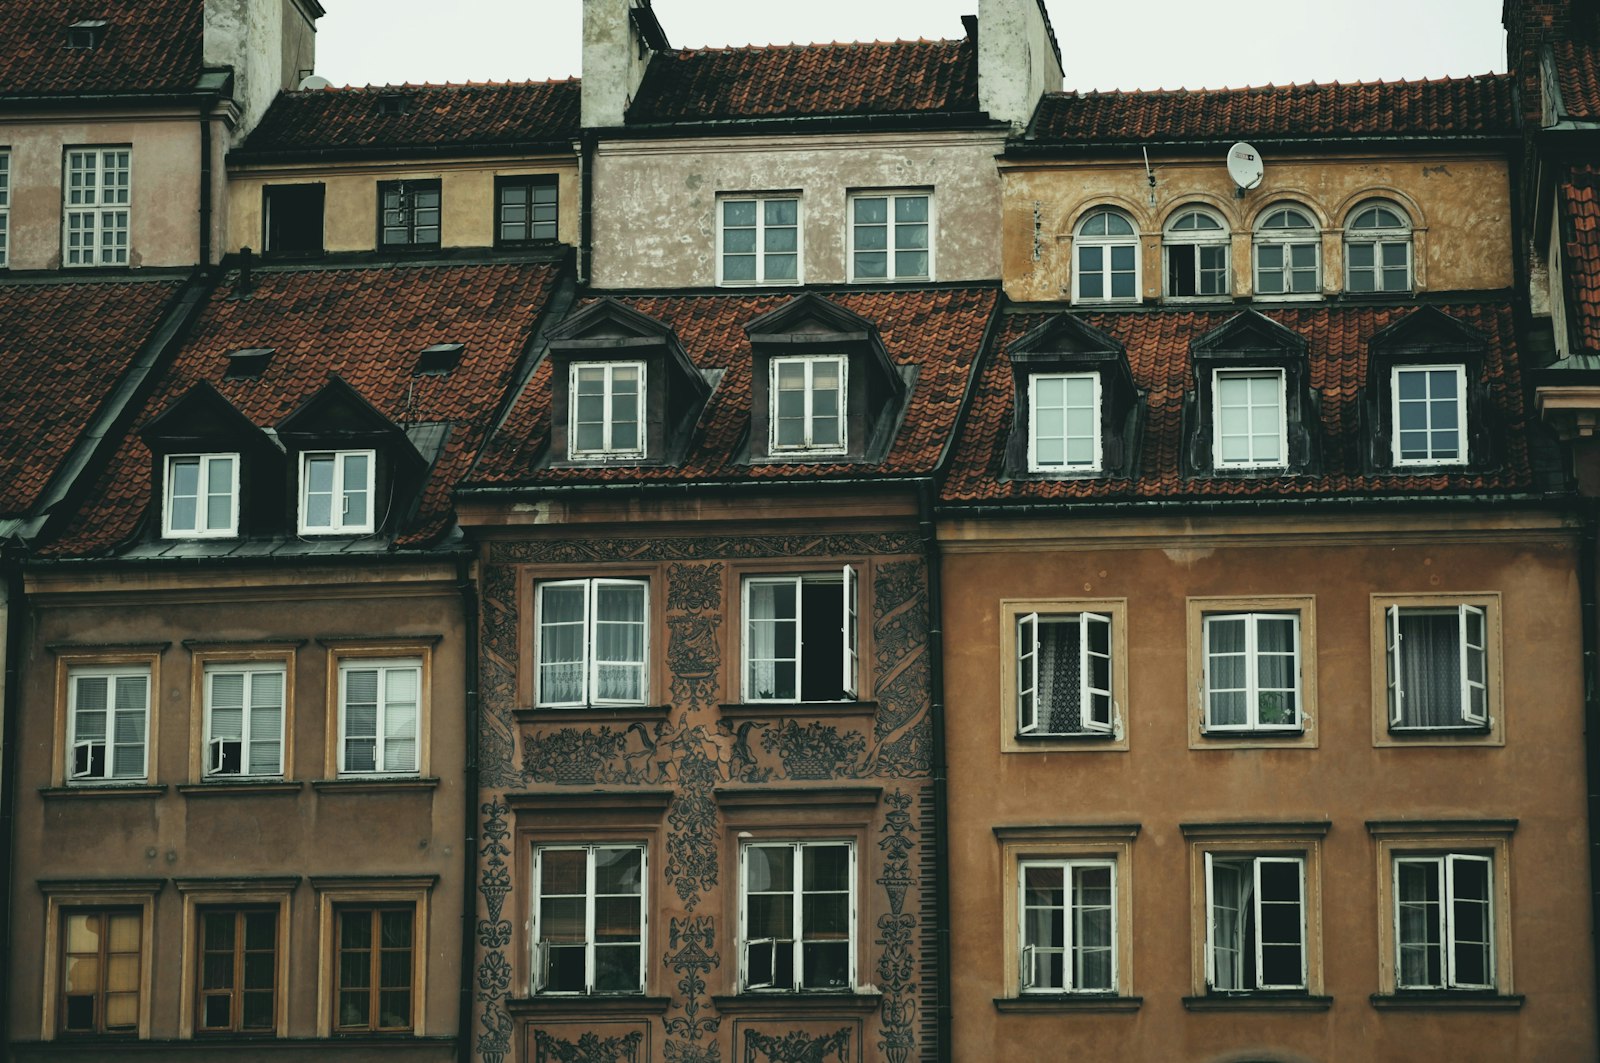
<point>619,36</point>
<point>1018,59</point>
<point>270,45</point>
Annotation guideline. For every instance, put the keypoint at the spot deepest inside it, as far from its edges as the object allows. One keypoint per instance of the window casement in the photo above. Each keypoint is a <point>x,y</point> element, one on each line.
<point>408,214</point>
<point>809,404</point>
<point>1252,672</point>
<point>1105,259</point>
<point>5,209</point>
<point>758,240</point>
<point>607,415</point>
<point>98,203</point>
<point>202,496</point>
<point>244,720</point>
<point>1437,667</point>
<point>102,964</point>
<point>797,916</point>
<point>108,719</point>
<point>380,717</point>
<point>1064,422</point>
<point>375,966</point>
<point>1064,665</point>
<point>593,642</point>
<point>801,637</point>
<point>1255,923</point>
<point>589,919</point>
<point>1195,246</point>
<point>1377,250</point>
<point>336,492</point>
<point>1248,423</point>
<point>1444,921</point>
<point>237,967</point>
<point>1068,931</point>
<point>1288,254</point>
<point>1429,414</point>
<point>525,210</point>
<point>890,236</point>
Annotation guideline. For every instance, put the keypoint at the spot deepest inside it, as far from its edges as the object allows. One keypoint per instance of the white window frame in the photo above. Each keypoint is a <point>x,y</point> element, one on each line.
<point>1252,658</point>
<point>1034,464</point>
<point>1282,460</point>
<point>591,662</point>
<point>341,493</point>
<point>247,735</point>
<point>749,980</point>
<point>1379,238</point>
<point>540,968</point>
<point>383,666</point>
<point>850,641</point>
<point>1395,655</point>
<point>810,361</point>
<point>608,449</point>
<point>107,741</point>
<point>1212,944</point>
<point>1070,913</point>
<point>761,200</point>
<point>1089,695</point>
<point>104,224</point>
<point>1461,414</point>
<point>1445,926</point>
<point>202,497</point>
<point>1106,243</point>
<point>891,245</point>
<point>5,208</point>
<point>1280,236</point>
<point>1189,242</point>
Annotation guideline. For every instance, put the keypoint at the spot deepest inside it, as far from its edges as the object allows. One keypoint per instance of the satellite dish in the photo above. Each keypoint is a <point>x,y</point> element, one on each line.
<point>1244,166</point>
<point>312,81</point>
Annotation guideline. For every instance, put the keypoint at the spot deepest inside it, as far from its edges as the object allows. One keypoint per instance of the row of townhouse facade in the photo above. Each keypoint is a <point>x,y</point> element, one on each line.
<point>797,553</point>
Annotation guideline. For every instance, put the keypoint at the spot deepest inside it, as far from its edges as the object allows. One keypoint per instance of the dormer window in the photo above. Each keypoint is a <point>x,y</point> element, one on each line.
<point>1252,409</point>
<point>1064,422</point>
<point>87,34</point>
<point>1249,419</point>
<point>1430,414</point>
<point>336,489</point>
<point>607,407</point>
<point>201,497</point>
<point>1076,409</point>
<point>808,402</point>
<point>1422,406</point>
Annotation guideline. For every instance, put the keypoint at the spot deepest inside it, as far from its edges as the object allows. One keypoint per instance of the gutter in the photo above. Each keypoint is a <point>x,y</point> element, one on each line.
<point>1590,623</point>
<point>977,121</point>
<point>205,185</point>
<point>585,206</point>
<point>1192,506</point>
<point>927,500</point>
<point>80,100</point>
<point>399,153</point>
<point>469,795</point>
<point>1089,146</point>
<point>10,713</point>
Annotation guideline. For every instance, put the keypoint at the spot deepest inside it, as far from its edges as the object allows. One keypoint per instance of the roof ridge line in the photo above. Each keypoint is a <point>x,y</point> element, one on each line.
<point>1273,87</point>
<point>412,86</point>
<point>814,44</point>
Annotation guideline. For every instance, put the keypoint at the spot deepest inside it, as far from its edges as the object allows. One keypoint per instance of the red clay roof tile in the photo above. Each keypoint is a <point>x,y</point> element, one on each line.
<point>1578,76</point>
<point>149,46</point>
<point>1579,197</point>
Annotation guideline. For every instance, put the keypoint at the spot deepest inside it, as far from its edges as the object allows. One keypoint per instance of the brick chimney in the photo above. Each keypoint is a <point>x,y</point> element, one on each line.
<point>619,37</point>
<point>1018,58</point>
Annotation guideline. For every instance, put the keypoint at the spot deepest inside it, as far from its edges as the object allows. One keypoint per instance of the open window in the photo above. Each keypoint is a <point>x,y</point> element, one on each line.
<point>801,637</point>
<point>292,216</point>
<point>1255,923</point>
<point>1195,246</point>
<point>1064,674</point>
<point>797,916</point>
<point>1438,667</point>
<point>589,916</point>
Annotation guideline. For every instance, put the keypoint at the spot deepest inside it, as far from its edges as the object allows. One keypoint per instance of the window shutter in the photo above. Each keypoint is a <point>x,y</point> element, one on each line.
<point>1028,673</point>
<point>1474,666</point>
<point>1397,693</point>
<point>852,644</point>
<point>1094,632</point>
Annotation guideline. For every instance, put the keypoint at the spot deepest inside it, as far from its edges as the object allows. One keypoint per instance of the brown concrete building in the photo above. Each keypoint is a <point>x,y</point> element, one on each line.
<point>1262,592</point>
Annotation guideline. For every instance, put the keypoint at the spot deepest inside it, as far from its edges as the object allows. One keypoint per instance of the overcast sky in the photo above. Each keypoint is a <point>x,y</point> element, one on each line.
<point>1124,44</point>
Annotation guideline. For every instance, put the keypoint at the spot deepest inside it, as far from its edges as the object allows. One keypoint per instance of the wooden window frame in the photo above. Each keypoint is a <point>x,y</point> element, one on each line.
<point>538,986</point>
<point>1190,241</point>
<point>378,652</point>
<point>890,246</point>
<point>409,213</point>
<point>851,650</point>
<point>1218,463</point>
<point>530,181</point>
<point>1106,244</point>
<point>334,895</point>
<point>1278,236</point>
<point>1379,238</point>
<point>202,661</point>
<point>1011,739</point>
<point>608,451</point>
<point>274,893</point>
<point>1493,731</point>
<point>809,448</point>
<point>70,661</point>
<point>98,209</point>
<point>760,199</point>
<point>5,208</point>
<point>1096,408</point>
<point>797,957</point>
<point>64,897</point>
<point>590,663</point>
<point>1304,606</point>
<point>1463,433</point>
<point>337,525</point>
<point>203,461</point>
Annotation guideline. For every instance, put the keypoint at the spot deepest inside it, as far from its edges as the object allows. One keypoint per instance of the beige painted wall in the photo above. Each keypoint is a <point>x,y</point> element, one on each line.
<point>351,203</point>
<point>1459,207</point>
<point>656,201</point>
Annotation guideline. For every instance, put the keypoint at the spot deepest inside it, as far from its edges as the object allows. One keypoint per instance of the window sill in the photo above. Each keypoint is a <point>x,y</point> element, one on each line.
<point>1040,1003</point>
<point>630,1004</point>
<point>763,709</point>
<point>1447,1000</point>
<point>107,790</point>
<point>780,1000</point>
<point>1285,734</point>
<point>370,786</point>
<point>594,714</point>
<point>1067,736</point>
<point>1257,1002</point>
<point>1468,731</point>
<point>244,787</point>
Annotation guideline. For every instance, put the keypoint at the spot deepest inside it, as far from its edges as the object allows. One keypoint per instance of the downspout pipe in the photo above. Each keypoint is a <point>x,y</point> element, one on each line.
<point>585,206</point>
<point>205,182</point>
<point>11,565</point>
<point>1588,562</point>
<point>927,494</point>
<point>469,792</point>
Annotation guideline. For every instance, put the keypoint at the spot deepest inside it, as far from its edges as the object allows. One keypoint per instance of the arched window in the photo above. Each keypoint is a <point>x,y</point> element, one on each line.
<point>1106,259</point>
<point>1288,251</point>
<point>1377,249</point>
<point>1196,249</point>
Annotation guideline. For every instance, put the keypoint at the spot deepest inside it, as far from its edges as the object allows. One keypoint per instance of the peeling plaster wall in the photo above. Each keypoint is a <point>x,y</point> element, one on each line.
<point>1459,206</point>
<point>267,43</point>
<point>656,201</point>
<point>1016,61</point>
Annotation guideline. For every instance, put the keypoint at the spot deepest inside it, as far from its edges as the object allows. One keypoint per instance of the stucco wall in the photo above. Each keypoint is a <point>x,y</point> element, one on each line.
<point>267,43</point>
<point>656,201</point>
<point>1459,207</point>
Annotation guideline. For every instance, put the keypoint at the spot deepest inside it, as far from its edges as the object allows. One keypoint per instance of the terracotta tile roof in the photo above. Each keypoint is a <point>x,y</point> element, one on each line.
<point>149,46</point>
<point>63,347</point>
<point>366,324</point>
<point>938,330</point>
<point>812,80</point>
<point>1580,225</point>
<point>1158,352</point>
<point>430,116</point>
<point>1448,106</point>
<point>1578,76</point>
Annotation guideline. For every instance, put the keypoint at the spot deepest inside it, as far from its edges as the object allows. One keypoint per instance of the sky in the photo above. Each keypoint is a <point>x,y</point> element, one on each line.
<point>1125,44</point>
